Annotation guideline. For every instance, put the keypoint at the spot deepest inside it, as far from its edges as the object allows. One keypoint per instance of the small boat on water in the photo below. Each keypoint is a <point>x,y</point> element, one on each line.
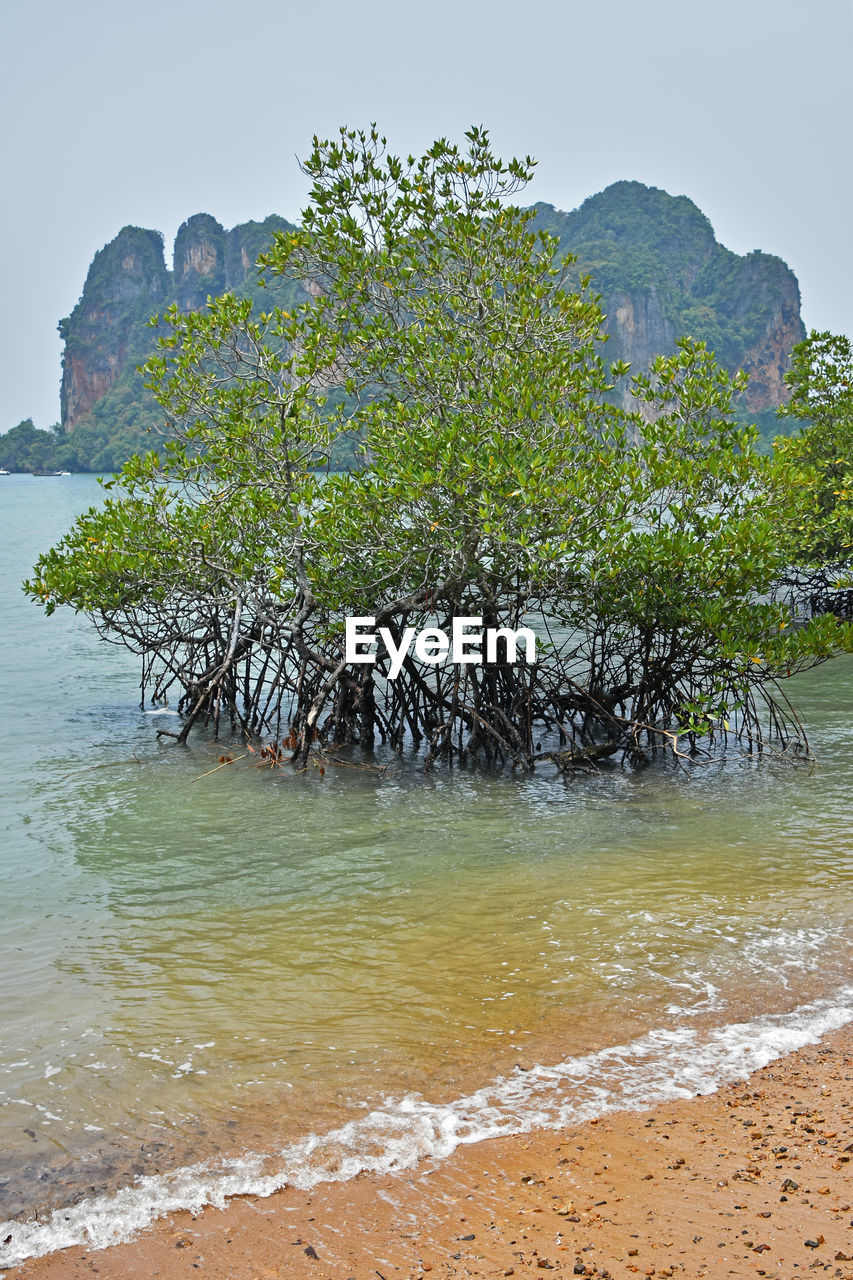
<point>4,472</point>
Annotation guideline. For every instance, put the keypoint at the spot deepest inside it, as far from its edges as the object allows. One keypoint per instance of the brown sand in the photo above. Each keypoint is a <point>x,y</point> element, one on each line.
<point>754,1180</point>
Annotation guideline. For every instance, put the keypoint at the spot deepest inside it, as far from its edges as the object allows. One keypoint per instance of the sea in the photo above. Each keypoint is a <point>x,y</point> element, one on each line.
<point>220,979</point>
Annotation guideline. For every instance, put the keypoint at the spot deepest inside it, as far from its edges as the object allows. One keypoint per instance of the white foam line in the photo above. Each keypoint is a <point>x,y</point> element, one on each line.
<point>662,1065</point>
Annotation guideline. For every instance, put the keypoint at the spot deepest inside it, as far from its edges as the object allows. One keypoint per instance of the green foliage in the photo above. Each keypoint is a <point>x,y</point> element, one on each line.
<point>120,425</point>
<point>126,283</point>
<point>26,448</point>
<point>639,240</point>
<point>821,381</point>
<point>732,302</point>
<point>244,245</point>
<point>501,483</point>
<point>768,424</point>
<point>633,239</point>
<point>128,276</point>
<point>632,236</point>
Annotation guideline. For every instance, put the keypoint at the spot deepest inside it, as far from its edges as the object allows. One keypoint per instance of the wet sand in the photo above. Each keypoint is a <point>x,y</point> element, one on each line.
<point>754,1180</point>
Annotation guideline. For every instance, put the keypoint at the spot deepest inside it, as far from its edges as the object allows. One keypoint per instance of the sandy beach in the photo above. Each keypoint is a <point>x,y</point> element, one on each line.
<point>754,1180</point>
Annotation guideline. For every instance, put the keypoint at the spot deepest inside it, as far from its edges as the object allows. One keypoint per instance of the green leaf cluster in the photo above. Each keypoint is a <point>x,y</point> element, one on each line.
<point>438,321</point>
<point>821,381</point>
<point>661,249</point>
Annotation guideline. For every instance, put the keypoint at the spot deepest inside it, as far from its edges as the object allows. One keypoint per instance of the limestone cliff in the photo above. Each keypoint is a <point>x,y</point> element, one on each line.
<point>661,274</point>
<point>244,245</point>
<point>764,307</point>
<point>127,281</point>
<point>198,271</point>
<point>653,257</point>
<point>640,324</point>
<point>107,334</point>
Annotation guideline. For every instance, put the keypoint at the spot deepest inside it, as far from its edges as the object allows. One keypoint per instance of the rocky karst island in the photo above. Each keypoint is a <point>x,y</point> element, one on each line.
<point>653,257</point>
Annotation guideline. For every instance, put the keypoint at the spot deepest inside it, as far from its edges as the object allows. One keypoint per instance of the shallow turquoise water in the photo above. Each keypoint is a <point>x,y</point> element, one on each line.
<point>196,962</point>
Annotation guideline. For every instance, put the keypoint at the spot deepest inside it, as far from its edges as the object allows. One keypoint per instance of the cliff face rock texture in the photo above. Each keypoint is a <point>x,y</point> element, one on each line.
<point>653,258</point>
<point>641,325</point>
<point>244,245</point>
<point>661,274</point>
<point>127,281</point>
<point>107,334</point>
<point>769,288</point>
<point>198,270</point>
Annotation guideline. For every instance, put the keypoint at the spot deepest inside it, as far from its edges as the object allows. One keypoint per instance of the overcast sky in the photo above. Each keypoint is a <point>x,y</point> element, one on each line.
<point>146,114</point>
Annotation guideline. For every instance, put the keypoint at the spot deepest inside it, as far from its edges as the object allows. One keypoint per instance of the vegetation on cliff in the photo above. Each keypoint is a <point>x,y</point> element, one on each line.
<point>107,411</point>
<point>821,454</point>
<point>26,448</point>
<point>505,489</point>
<point>661,274</point>
<point>653,258</point>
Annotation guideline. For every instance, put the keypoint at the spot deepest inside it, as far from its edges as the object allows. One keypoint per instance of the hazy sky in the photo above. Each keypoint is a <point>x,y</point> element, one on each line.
<point>145,114</point>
